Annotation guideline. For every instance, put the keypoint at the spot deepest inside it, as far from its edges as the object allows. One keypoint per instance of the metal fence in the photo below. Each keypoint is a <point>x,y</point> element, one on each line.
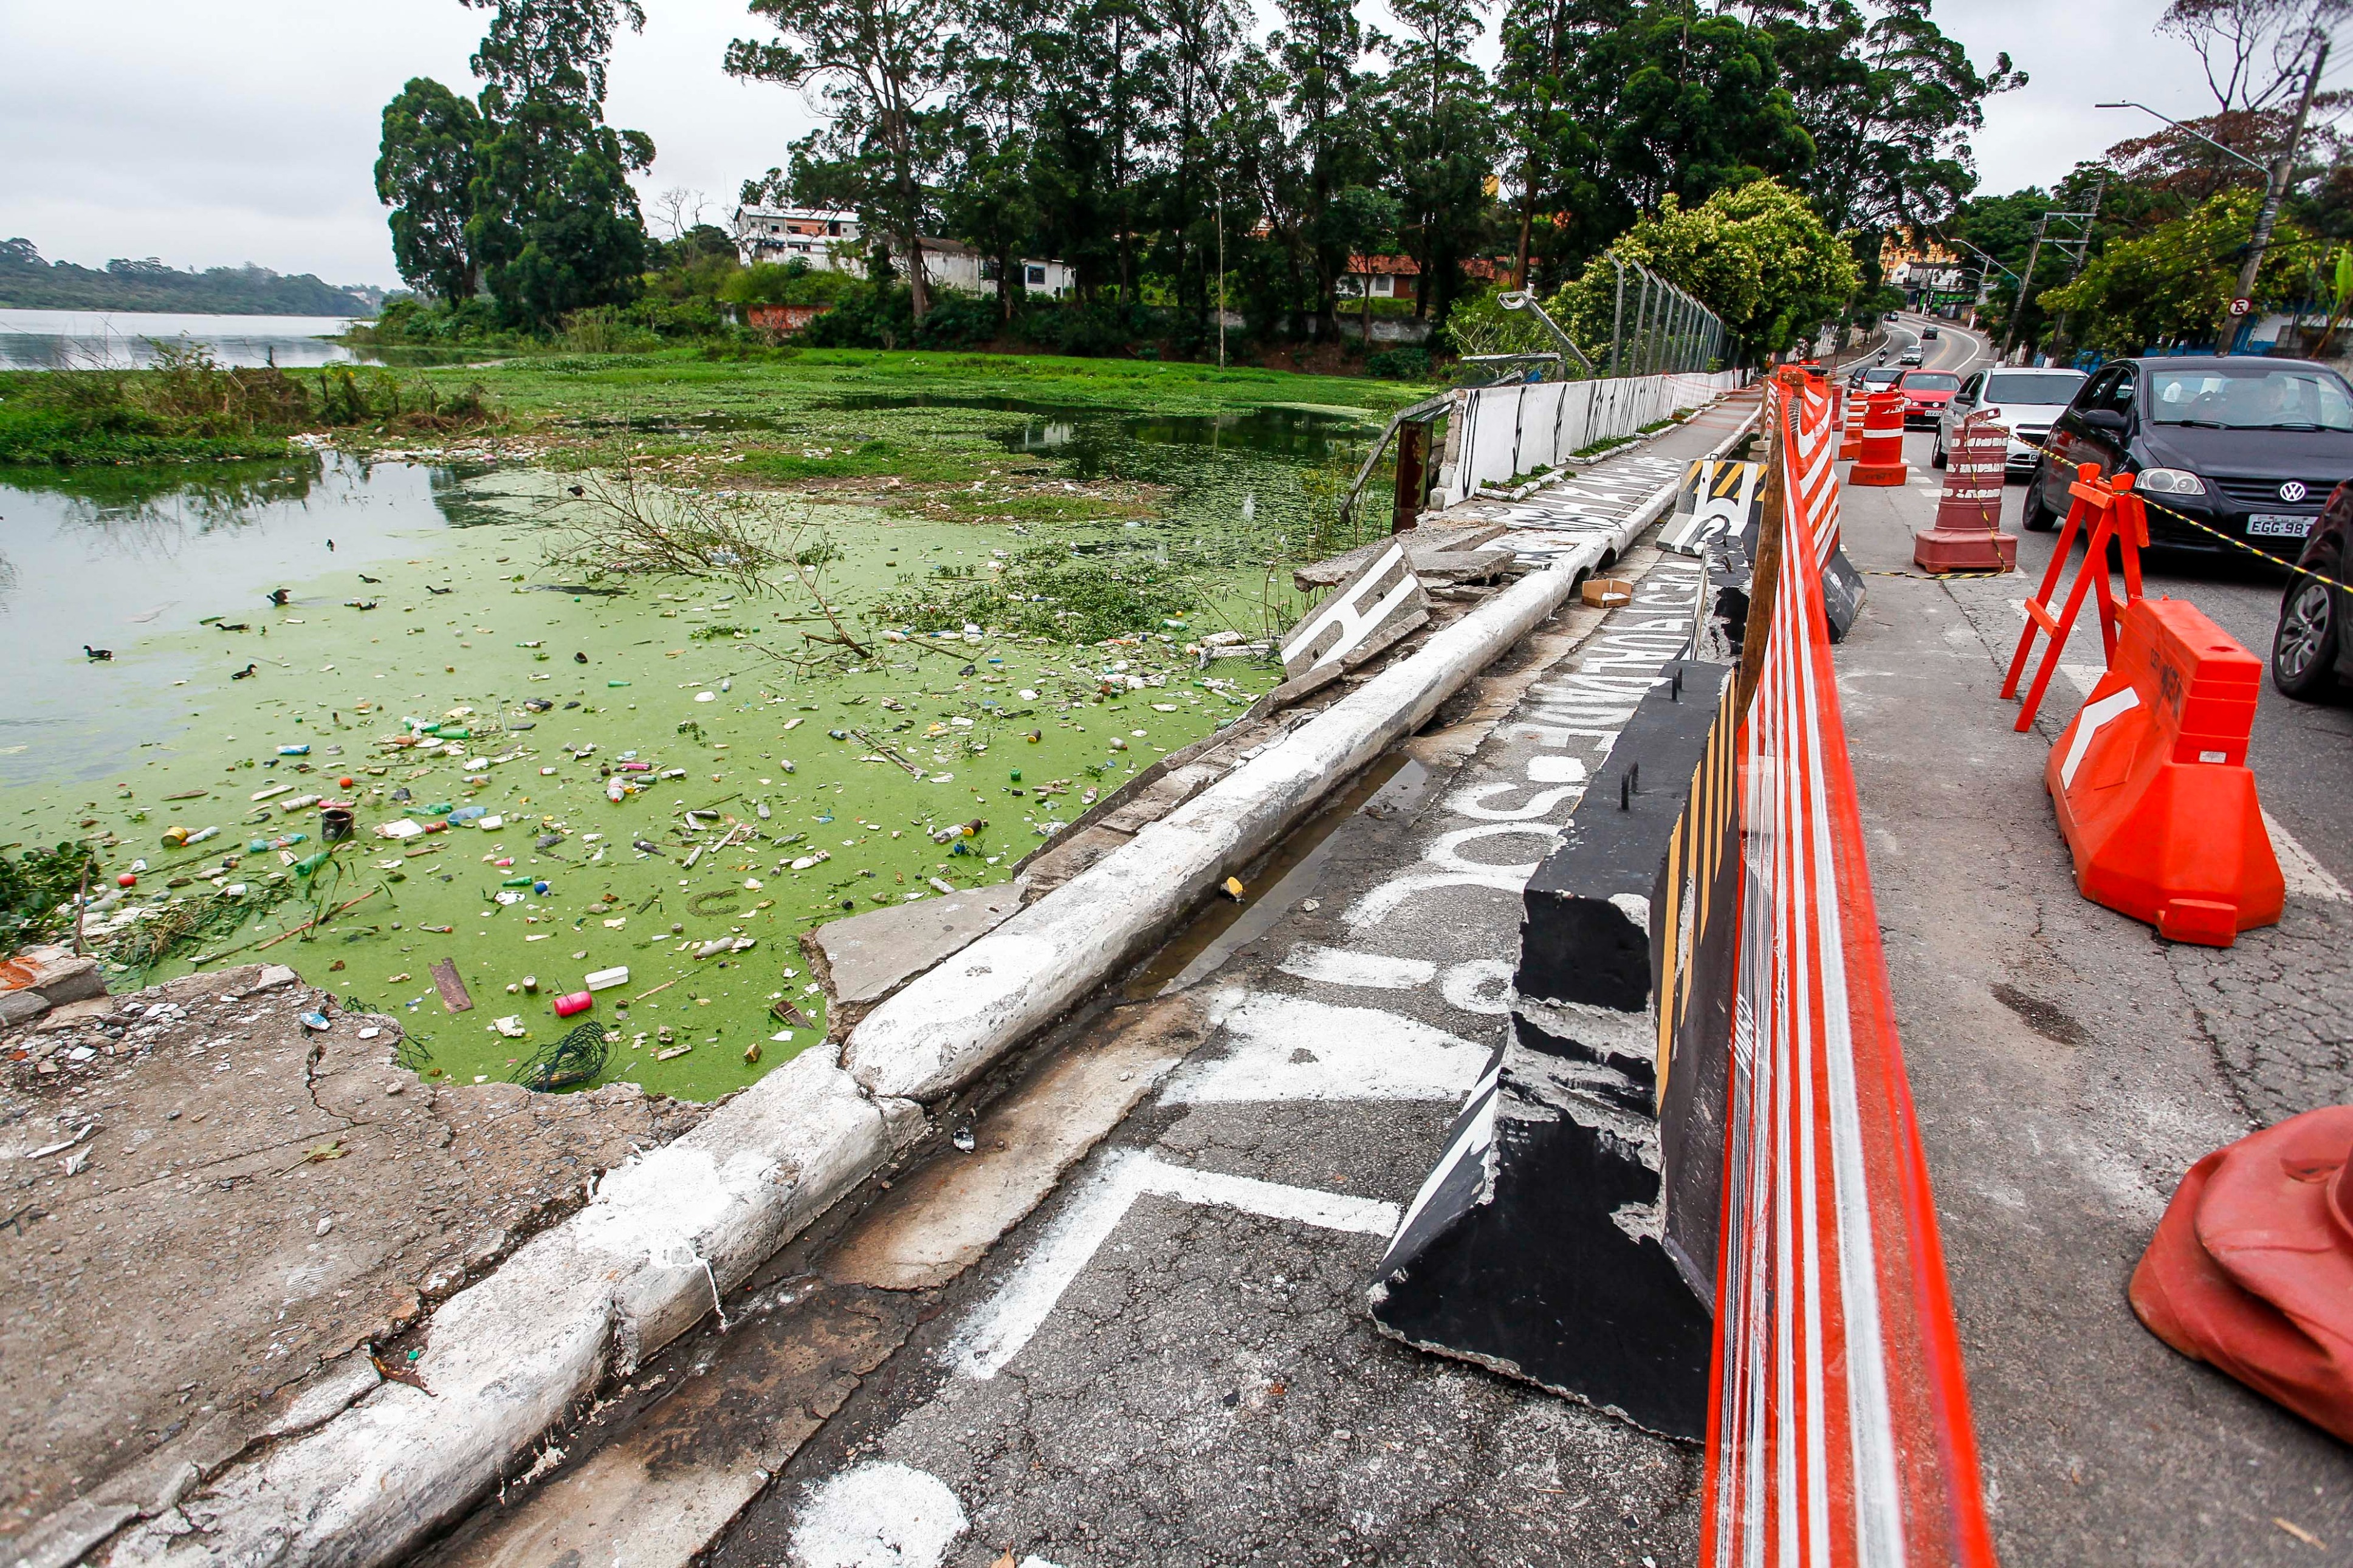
<point>1657,329</point>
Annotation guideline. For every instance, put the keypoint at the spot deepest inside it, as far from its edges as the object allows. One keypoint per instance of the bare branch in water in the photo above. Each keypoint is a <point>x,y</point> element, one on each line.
<point>624,523</point>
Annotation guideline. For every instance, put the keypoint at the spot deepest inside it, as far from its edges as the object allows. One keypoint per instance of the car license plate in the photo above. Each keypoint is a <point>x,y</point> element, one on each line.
<point>2272,524</point>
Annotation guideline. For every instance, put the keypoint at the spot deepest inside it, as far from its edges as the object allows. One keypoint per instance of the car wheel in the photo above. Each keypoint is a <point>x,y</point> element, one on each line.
<point>1936,449</point>
<point>2304,648</point>
<point>2036,517</point>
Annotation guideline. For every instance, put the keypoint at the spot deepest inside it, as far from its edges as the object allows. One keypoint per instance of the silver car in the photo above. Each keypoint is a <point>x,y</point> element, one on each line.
<point>2025,400</point>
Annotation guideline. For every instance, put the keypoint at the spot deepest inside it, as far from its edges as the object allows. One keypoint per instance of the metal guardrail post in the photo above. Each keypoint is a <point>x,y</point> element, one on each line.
<point>1618,322</point>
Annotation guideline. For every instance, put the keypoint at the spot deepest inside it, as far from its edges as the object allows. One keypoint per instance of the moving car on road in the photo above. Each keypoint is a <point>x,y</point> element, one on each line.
<point>2245,449</point>
<point>1927,334</point>
<point>2311,651</point>
<point>1909,356</point>
<point>2025,401</point>
<point>1872,378</point>
<point>1925,393</point>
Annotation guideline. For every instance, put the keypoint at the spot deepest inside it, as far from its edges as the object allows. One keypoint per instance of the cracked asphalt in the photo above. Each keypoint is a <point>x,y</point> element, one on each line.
<point>2068,1066</point>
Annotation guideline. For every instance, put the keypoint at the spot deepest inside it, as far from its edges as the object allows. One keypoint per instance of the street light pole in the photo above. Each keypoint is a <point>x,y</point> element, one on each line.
<point>2283,170</point>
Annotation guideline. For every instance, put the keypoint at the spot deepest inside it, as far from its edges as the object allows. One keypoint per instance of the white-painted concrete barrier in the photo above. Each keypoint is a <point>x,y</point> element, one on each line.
<point>1507,431</point>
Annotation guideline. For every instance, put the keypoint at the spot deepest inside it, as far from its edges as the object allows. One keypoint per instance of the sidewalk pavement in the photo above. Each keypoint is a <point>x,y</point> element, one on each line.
<point>2068,1067</point>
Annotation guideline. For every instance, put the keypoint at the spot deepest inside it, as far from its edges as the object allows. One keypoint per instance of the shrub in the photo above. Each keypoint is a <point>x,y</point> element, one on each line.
<point>1410,363</point>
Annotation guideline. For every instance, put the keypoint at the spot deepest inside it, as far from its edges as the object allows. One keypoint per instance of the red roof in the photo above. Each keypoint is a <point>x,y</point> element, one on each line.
<point>1398,266</point>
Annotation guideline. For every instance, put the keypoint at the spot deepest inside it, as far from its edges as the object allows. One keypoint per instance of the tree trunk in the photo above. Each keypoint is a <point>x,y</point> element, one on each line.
<point>918,285</point>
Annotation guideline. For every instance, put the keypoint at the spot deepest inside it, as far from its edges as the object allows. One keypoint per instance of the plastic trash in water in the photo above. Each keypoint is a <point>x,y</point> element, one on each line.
<point>606,979</point>
<point>574,1002</point>
<point>301,751</point>
<point>469,814</point>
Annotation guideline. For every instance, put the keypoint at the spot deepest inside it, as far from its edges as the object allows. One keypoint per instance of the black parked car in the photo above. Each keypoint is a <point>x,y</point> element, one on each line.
<point>2310,651</point>
<point>2248,447</point>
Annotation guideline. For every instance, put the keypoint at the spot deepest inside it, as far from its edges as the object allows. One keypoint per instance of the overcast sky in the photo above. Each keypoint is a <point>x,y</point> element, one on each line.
<point>245,130</point>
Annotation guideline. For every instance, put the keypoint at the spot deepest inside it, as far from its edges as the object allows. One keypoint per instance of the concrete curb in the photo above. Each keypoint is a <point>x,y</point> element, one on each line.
<point>507,1359</point>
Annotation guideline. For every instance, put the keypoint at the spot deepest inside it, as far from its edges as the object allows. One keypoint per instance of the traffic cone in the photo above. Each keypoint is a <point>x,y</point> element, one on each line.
<point>1882,462</point>
<point>1851,407</point>
<point>1967,535</point>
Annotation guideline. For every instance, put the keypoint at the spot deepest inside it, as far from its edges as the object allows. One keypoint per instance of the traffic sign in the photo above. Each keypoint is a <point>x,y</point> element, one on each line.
<point>2242,305</point>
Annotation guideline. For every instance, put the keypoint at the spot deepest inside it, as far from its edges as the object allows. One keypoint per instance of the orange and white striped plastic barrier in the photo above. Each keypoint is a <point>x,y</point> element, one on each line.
<point>1838,1426</point>
<point>1881,461</point>
<point>1852,404</point>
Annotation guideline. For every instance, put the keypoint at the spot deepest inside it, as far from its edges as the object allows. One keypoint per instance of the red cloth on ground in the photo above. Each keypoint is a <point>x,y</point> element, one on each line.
<point>2252,1268</point>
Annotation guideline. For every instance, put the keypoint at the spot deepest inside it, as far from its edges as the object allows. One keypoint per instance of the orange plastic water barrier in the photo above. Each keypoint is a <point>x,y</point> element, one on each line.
<point>2151,783</point>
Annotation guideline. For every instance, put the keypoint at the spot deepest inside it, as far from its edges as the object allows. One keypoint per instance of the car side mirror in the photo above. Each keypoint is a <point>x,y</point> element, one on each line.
<point>2106,419</point>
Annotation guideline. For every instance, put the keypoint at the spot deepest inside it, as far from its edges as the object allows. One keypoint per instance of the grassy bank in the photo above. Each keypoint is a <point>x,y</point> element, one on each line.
<point>188,408</point>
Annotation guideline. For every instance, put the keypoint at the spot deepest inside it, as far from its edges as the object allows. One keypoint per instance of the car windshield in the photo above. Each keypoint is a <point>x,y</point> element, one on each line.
<point>1881,373</point>
<point>1931,381</point>
<point>2055,389</point>
<point>2252,399</point>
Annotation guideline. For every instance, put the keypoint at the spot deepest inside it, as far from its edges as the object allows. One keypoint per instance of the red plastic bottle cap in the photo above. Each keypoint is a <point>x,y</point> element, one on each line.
<point>342,783</point>
<point>126,881</point>
<point>575,1001</point>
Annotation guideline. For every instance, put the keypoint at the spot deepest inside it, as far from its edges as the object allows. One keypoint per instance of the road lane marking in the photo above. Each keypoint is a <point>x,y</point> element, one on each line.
<point>999,1331</point>
<point>2304,876</point>
<point>1347,966</point>
<point>882,1515</point>
<point>1282,1047</point>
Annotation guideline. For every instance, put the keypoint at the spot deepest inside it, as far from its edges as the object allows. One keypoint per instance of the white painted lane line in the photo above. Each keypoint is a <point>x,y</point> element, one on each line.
<point>2083,677</point>
<point>1348,966</point>
<point>1291,1048</point>
<point>1014,1315</point>
<point>2306,877</point>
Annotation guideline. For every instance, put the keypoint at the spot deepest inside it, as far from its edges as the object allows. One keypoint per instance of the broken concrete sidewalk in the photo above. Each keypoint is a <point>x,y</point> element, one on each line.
<point>203,1205</point>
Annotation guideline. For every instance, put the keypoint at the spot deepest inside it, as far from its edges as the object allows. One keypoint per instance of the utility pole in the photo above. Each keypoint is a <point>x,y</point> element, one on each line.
<point>2083,249</point>
<point>2283,170</point>
<point>2018,307</point>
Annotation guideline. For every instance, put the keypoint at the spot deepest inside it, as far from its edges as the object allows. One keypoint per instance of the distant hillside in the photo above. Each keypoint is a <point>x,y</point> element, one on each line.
<point>30,283</point>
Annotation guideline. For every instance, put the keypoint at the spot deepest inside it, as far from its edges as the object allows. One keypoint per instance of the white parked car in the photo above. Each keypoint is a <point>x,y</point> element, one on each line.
<point>2025,400</point>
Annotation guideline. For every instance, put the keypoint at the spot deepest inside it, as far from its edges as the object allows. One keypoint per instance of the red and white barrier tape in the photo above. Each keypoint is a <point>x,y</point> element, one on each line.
<point>1839,1424</point>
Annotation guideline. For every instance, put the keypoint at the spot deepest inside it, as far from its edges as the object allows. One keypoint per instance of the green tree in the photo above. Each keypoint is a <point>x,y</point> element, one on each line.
<point>2174,283</point>
<point>1321,49</point>
<point>875,65</point>
<point>1758,255</point>
<point>1439,133</point>
<point>555,220</point>
<point>525,193</point>
<point>1569,207</point>
<point>1888,103</point>
<point>424,171</point>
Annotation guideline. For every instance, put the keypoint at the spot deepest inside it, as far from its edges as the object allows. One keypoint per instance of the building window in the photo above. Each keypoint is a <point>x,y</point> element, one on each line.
<point>833,228</point>
<point>1036,275</point>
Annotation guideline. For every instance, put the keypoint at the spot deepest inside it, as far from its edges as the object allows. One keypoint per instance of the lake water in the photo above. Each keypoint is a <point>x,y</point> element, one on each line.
<point>937,761</point>
<point>63,339</point>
